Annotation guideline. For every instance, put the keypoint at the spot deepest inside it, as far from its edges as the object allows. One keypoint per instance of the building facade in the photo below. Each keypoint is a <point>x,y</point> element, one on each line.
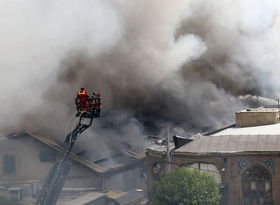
<point>243,177</point>
<point>25,160</point>
<point>244,161</point>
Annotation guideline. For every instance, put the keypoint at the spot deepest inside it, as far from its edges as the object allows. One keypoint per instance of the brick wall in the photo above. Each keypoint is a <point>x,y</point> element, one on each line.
<point>250,118</point>
<point>230,166</point>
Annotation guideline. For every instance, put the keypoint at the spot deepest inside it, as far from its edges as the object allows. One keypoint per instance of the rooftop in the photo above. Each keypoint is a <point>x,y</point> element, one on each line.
<point>131,197</point>
<point>232,144</point>
<point>126,157</point>
<point>273,129</point>
<point>260,109</point>
<point>86,199</point>
<point>232,139</point>
<point>159,148</point>
<point>237,139</point>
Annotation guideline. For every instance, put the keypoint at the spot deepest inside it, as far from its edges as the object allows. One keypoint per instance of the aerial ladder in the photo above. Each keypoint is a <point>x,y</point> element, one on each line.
<point>57,175</point>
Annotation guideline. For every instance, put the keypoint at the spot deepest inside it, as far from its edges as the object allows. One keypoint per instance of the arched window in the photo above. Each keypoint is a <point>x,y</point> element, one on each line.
<point>256,185</point>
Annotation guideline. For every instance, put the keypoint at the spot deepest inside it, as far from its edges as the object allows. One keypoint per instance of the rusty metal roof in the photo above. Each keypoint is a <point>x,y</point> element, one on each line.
<point>51,143</point>
<point>232,144</point>
<point>137,156</point>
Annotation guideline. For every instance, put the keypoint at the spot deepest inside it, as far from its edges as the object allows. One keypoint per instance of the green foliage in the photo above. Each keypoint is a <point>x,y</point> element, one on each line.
<point>185,187</point>
<point>4,201</point>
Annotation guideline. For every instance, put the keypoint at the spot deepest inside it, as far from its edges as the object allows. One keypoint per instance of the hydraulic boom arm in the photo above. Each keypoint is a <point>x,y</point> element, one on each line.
<point>58,173</point>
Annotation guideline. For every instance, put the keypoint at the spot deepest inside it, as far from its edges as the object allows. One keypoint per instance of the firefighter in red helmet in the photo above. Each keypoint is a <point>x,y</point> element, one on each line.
<point>81,100</point>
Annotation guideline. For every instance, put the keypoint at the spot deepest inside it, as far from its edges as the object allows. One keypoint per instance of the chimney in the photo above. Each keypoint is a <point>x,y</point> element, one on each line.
<point>257,117</point>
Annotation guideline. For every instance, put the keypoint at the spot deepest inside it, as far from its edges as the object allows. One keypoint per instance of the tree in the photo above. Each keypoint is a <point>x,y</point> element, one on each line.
<point>185,187</point>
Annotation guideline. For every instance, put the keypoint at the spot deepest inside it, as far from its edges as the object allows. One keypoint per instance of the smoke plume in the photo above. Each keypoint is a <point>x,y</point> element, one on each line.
<point>186,64</point>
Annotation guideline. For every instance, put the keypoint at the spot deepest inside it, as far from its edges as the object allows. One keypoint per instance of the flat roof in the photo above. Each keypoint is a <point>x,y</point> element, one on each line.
<point>232,144</point>
<point>260,109</point>
<point>273,129</point>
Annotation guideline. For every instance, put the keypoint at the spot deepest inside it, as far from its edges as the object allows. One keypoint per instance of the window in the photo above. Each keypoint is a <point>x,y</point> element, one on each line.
<point>256,186</point>
<point>47,156</point>
<point>15,193</point>
<point>156,170</point>
<point>9,164</point>
<point>206,167</point>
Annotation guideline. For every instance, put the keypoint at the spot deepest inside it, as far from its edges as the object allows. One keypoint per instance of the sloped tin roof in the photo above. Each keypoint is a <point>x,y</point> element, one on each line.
<point>52,144</point>
<point>93,166</point>
<point>232,144</point>
<point>273,129</point>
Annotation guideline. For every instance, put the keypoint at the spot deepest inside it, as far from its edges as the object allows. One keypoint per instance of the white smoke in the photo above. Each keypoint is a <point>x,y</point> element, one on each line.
<point>36,36</point>
<point>185,63</point>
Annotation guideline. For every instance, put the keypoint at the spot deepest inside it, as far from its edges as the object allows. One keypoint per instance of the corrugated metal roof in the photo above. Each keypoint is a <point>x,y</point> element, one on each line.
<point>137,156</point>
<point>232,143</point>
<point>51,143</point>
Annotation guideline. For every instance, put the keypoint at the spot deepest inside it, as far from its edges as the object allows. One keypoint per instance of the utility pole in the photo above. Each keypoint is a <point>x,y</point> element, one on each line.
<point>167,149</point>
<point>278,109</point>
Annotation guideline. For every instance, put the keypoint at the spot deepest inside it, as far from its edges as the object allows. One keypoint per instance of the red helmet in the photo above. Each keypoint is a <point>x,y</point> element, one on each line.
<point>82,87</point>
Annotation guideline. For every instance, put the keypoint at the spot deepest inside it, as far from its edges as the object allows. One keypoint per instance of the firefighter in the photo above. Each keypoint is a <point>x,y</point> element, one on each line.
<point>81,100</point>
<point>96,103</point>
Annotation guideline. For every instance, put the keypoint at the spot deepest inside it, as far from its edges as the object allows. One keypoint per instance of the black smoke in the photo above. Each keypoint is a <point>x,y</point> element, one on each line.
<point>186,64</point>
